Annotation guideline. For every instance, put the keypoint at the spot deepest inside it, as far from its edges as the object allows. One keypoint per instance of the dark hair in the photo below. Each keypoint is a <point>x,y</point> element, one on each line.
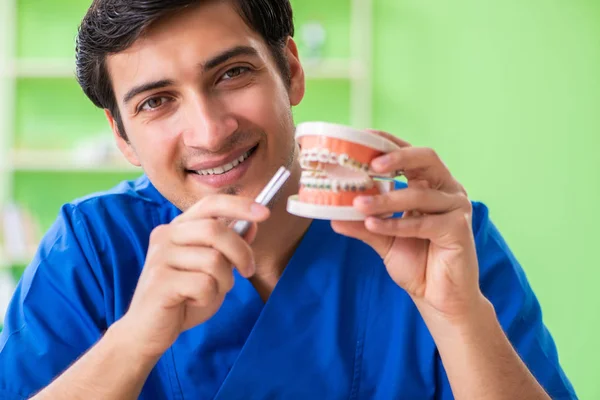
<point>111,26</point>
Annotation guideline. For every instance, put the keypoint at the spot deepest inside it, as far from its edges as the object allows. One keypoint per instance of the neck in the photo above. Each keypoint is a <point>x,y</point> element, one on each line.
<point>277,239</point>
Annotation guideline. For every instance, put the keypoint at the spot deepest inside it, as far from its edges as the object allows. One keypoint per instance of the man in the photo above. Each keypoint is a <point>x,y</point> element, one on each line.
<point>146,292</point>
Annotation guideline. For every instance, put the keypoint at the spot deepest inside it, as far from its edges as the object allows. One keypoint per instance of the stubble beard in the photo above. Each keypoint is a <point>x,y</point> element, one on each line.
<point>287,161</point>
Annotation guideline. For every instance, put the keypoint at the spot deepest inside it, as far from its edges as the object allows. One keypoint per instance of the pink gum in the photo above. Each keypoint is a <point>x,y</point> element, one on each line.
<point>358,152</point>
<point>330,198</point>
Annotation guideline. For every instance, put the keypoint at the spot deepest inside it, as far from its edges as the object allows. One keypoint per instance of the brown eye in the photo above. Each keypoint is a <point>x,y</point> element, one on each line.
<point>234,72</point>
<point>153,103</point>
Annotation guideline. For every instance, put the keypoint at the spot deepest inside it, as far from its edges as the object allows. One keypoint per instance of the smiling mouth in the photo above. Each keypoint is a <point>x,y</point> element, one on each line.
<point>222,169</point>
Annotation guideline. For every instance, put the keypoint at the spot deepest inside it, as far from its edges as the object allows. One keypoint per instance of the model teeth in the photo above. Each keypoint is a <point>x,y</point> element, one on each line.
<point>323,156</point>
<point>317,176</point>
<point>227,167</point>
<point>314,174</point>
<point>336,185</point>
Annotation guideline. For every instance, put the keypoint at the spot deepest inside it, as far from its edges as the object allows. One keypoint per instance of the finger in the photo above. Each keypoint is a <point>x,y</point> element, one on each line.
<point>197,288</point>
<point>427,201</point>
<point>417,163</point>
<point>203,259</point>
<point>226,206</point>
<point>215,234</point>
<point>418,183</point>
<point>390,137</point>
<point>445,230</point>
<point>357,230</point>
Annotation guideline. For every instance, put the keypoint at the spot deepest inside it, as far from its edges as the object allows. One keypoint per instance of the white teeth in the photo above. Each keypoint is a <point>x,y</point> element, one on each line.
<point>324,156</point>
<point>343,159</point>
<point>227,167</point>
<point>336,185</point>
<point>224,168</point>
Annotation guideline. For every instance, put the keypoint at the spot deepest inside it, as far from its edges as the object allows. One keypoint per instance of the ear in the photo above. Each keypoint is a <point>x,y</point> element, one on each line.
<point>297,82</point>
<point>124,146</point>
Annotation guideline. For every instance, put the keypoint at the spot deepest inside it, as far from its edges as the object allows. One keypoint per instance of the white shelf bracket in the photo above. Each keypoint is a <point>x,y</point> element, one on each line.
<point>7,94</point>
<point>361,43</point>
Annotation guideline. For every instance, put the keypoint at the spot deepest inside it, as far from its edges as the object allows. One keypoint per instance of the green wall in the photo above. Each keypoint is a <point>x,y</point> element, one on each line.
<point>508,93</point>
<point>505,91</point>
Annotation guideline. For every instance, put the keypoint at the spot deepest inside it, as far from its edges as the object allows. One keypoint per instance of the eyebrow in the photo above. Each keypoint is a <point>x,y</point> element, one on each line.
<point>145,87</point>
<point>229,54</point>
<point>208,65</point>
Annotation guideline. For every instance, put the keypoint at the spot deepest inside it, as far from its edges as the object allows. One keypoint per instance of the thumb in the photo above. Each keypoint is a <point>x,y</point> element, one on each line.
<point>357,230</point>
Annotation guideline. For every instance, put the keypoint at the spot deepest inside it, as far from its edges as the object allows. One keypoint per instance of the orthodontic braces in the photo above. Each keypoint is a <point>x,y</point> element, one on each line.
<point>314,174</point>
<point>336,185</point>
<point>324,156</point>
<point>314,178</point>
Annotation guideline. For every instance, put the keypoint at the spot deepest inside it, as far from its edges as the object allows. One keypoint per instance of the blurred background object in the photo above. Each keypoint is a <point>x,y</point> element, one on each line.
<point>507,93</point>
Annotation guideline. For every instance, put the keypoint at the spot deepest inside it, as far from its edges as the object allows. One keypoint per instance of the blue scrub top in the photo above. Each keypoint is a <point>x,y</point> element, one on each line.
<point>335,327</point>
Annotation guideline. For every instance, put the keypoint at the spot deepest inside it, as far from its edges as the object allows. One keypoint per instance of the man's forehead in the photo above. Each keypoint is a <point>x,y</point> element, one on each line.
<point>210,15</point>
<point>211,25</point>
<point>180,40</point>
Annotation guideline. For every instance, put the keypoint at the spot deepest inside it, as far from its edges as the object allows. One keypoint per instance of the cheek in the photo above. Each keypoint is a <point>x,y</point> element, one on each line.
<point>263,106</point>
<point>150,135</point>
<point>254,104</point>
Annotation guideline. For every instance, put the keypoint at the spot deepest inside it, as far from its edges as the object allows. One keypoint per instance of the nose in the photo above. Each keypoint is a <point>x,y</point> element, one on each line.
<point>209,125</point>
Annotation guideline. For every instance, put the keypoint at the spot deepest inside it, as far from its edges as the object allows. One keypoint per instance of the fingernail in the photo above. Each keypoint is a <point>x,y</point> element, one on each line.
<point>383,161</point>
<point>258,210</point>
<point>365,200</point>
<point>373,221</point>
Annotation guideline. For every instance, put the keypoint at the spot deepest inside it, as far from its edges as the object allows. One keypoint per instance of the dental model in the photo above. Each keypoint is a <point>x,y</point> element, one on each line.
<point>335,161</point>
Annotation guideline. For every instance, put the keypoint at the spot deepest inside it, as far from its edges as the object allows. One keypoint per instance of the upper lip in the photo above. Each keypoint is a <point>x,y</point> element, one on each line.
<point>220,161</point>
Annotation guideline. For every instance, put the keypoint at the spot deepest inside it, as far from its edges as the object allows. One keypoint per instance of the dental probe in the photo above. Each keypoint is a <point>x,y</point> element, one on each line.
<point>241,227</point>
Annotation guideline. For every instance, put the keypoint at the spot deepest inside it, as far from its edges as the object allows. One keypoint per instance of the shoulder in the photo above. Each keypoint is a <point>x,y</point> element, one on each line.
<point>502,278</point>
<point>504,282</point>
<point>96,243</point>
<point>79,281</point>
<point>93,234</point>
<point>138,193</point>
<point>108,225</point>
<point>104,215</point>
<point>127,208</point>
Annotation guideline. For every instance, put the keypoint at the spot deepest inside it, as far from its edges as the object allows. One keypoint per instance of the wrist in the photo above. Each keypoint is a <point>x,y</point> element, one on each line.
<point>122,338</point>
<point>478,357</point>
<point>477,317</point>
<point>114,368</point>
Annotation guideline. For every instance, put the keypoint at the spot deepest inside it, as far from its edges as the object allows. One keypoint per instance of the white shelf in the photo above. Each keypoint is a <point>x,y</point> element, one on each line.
<point>62,161</point>
<point>8,263</point>
<point>43,68</point>
<point>65,68</point>
<point>333,69</point>
<point>8,18</point>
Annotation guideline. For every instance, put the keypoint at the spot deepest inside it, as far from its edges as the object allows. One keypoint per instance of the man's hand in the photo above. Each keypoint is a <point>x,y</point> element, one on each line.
<point>430,251</point>
<point>189,270</point>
